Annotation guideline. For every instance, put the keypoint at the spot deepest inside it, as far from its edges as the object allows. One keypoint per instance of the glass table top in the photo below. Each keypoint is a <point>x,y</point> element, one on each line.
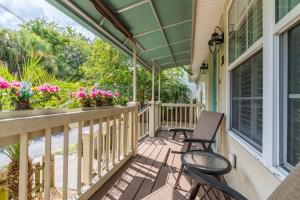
<point>206,162</point>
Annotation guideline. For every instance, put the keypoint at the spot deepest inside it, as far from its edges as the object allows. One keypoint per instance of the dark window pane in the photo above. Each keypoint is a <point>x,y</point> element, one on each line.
<point>293,143</point>
<point>283,7</point>
<point>255,28</point>
<point>247,102</point>
<point>294,60</point>
<point>293,132</point>
<point>244,26</point>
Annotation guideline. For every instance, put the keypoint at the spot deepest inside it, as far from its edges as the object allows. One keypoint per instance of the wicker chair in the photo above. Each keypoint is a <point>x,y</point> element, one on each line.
<point>289,189</point>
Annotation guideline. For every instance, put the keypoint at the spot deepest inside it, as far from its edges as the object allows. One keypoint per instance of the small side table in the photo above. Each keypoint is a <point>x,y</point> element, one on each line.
<point>206,162</point>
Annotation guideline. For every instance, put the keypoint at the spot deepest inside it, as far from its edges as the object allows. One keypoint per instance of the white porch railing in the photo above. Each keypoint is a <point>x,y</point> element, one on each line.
<point>179,115</point>
<point>116,141</point>
<point>143,126</point>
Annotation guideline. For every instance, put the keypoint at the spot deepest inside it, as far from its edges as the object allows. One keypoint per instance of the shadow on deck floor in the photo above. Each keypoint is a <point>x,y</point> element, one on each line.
<point>146,172</point>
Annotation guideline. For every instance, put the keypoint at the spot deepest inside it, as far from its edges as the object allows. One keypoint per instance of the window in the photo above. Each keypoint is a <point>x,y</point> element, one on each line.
<point>245,26</point>
<point>247,100</point>
<point>283,7</point>
<point>291,94</point>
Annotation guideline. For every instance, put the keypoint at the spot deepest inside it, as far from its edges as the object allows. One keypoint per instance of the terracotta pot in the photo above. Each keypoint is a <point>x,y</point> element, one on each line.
<point>22,105</point>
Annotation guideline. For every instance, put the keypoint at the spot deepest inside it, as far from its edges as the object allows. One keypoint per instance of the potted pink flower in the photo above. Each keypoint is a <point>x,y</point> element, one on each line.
<point>84,98</point>
<point>47,92</point>
<point>21,94</point>
<point>108,98</point>
<point>4,87</point>
<point>98,96</point>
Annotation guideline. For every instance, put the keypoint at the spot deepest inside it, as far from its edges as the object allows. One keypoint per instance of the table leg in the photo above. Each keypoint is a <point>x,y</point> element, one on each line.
<point>194,191</point>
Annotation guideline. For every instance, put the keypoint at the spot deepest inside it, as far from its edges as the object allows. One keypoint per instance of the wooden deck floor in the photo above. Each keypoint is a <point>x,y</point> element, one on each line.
<point>146,172</point>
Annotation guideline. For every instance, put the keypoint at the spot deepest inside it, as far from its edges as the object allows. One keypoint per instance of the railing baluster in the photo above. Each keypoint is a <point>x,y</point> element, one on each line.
<point>23,175</point>
<point>195,116</point>
<point>143,124</point>
<point>167,115</point>
<point>107,144</point>
<point>65,162</point>
<point>79,160</point>
<point>172,122</point>
<point>185,117</point>
<point>176,116</point>
<point>91,151</point>
<point>180,112</point>
<point>47,178</point>
<point>114,136</point>
<point>147,122</point>
<point>99,149</point>
<point>119,137</point>
<point>163,116</point>
<point>125,140</point>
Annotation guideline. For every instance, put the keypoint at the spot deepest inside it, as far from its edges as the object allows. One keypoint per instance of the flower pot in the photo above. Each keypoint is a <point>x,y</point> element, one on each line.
<point>22,105</point>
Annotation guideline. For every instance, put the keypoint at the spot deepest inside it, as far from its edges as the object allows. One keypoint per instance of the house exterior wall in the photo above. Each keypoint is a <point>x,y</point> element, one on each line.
<point>252,176</point>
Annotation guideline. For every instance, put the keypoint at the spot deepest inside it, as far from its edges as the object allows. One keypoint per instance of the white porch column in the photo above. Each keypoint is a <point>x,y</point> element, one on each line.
<point>152,107</point>
<point>134,72</point>
<point>159,85</point>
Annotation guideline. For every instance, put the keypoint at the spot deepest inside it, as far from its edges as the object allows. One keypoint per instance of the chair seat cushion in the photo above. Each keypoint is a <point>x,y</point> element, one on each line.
<point>166,193</point>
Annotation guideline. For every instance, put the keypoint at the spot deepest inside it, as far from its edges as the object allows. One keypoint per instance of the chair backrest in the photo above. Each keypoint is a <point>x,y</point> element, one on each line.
<point>207,125</point>
<point>289,189</point>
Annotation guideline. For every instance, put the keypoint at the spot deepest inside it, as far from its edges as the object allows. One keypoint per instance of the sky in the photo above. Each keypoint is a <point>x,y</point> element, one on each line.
<point>31,9</point>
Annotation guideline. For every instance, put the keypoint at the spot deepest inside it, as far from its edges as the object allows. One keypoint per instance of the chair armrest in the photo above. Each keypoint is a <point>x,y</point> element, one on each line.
<point>196,140</point>
<point>201,141</point>
<point>180,129</point>
<point>213,182</point>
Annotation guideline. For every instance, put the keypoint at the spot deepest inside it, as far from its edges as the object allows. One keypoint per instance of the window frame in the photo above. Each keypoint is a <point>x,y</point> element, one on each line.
<point>284,97</point>
<point>255,48</point>
<point>237,132</point>
<point>238,24</point>
<point>271,155</point>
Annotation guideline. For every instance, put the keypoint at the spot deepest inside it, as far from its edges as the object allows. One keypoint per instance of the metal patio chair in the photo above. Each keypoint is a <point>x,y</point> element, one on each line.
<point>289,189</point>
<point>204,131</point>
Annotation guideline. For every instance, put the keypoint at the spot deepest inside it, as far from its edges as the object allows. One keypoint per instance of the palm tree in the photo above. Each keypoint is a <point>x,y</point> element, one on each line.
<point>13,153</point>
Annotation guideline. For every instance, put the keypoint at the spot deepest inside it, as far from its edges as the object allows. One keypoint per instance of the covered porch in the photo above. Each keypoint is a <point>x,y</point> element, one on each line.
<point>125,152</point>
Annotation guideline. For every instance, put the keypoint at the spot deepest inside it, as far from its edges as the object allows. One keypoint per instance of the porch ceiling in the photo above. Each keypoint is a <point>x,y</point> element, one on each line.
<point>162,29</point>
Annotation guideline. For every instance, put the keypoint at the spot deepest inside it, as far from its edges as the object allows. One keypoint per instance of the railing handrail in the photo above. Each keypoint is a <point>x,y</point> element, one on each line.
<point>17,126</point>
<point>180,104</point>
<point>145,109</point>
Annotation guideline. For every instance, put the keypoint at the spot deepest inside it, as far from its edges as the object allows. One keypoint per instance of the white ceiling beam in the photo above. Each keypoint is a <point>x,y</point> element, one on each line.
<point>101,30</point>
<point>161,29</point>
<point>126,8</point>
<point>165,27</point>
<point>172,62</point>
<point>180,53</point>
<point>174,43</point>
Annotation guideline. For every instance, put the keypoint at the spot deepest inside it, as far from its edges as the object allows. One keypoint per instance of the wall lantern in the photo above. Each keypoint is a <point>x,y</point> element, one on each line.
<point>204,68</point>
<point>217,38</point>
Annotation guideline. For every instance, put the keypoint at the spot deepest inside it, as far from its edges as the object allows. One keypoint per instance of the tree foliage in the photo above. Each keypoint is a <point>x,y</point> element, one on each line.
<point>45,52</point>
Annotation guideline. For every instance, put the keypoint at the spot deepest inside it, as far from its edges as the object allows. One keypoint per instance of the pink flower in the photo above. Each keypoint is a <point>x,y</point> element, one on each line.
<point>116,94</point>
<point>44,88</point>
<point>100,92</point>
<point>4,84</point>
<point>81,94</point>
<point>54,89</point>
<point>48,88</point>
<point>108,94</point>
<point>15,84</point>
